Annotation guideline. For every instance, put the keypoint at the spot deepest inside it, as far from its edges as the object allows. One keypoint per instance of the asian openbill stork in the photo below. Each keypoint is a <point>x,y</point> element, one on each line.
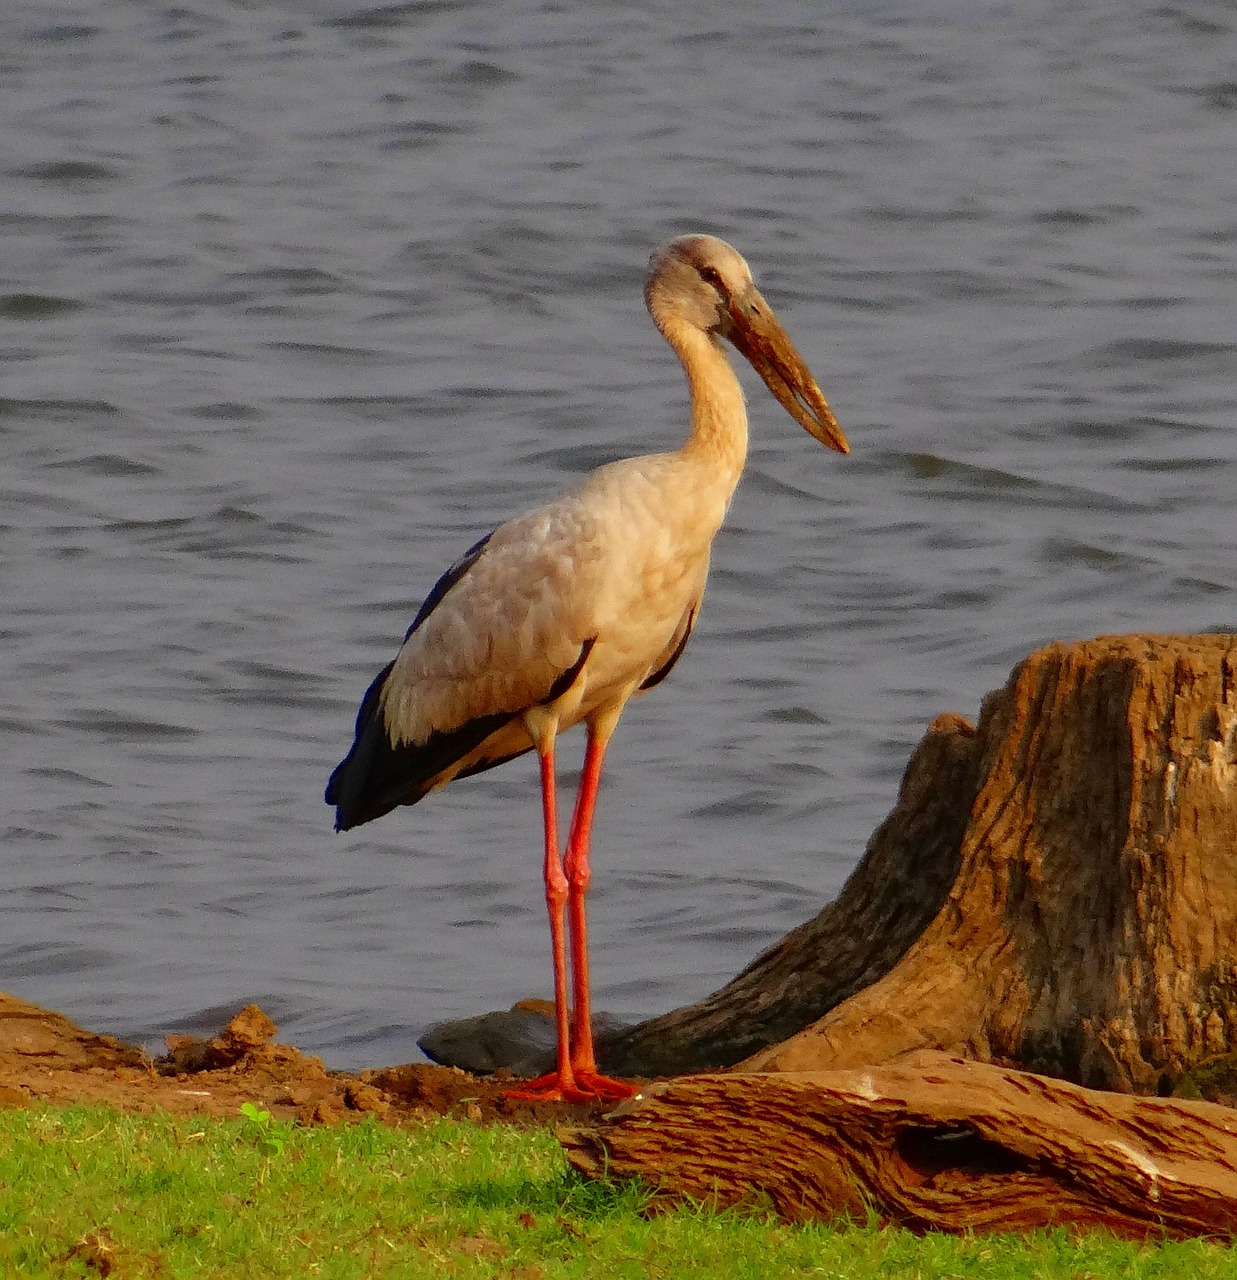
<point>561,615</point>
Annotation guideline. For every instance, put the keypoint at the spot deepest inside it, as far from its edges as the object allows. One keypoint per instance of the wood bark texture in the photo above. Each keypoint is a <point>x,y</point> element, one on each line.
<point>934,1144</point>
<point>1055,889</point>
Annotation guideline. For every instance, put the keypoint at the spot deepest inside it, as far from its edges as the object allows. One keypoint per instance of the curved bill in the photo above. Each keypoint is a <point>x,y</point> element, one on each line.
<point>759,335</point>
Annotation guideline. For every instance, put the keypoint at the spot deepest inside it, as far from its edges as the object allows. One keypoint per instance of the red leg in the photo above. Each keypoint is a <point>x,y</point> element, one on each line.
<point>560,1083</point>
<point>578,873</point>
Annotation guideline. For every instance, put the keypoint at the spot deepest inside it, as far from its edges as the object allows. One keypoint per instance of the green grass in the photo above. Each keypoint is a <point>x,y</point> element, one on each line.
<point>90,1192</point>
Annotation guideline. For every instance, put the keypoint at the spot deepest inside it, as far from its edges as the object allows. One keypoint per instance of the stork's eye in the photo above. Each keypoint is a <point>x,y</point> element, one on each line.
<point>713,276</point>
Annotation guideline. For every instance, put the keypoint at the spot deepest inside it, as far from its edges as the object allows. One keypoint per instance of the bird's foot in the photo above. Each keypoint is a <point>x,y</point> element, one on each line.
<point>584,1086</point>
<point>605,1087</point>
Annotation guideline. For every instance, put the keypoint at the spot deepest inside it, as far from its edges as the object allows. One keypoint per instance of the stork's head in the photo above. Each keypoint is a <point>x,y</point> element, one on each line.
<point>703,282</point>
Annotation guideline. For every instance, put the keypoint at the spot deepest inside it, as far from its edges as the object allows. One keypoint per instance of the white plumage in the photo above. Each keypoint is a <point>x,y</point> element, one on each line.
<point>617,561</point>
<point>561,615</point>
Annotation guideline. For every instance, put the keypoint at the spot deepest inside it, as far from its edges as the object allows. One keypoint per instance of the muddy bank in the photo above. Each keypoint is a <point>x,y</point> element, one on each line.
<point>45,1057</point>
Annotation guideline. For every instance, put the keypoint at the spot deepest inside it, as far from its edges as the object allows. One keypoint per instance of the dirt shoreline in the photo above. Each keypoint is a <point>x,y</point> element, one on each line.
<point>46,1057</point>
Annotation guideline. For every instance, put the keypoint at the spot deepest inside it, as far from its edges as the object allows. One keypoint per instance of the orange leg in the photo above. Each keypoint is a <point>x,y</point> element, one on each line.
<point>578,873</point>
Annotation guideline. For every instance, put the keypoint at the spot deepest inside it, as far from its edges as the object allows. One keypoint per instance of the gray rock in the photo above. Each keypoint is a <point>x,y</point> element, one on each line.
<point>520,1038</point>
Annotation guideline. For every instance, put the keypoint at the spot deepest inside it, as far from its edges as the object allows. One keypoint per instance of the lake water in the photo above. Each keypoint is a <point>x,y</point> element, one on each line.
<point>296,301</point>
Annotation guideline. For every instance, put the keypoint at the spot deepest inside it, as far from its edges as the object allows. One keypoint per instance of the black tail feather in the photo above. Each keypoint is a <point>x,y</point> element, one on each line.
<point>376,777</point>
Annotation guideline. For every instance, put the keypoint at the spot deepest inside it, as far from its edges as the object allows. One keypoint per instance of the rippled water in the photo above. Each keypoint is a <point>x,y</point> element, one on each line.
<point>298,300</point>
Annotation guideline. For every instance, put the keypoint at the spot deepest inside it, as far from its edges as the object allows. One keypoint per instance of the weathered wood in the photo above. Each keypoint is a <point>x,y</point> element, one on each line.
<point>892,896</point>
<point>1056,889</point>
<point>933,1144</point>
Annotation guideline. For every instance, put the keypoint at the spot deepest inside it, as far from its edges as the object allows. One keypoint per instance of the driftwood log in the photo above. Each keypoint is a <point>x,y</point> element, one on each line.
<point>941,1144</point>
<point>1056,888</point>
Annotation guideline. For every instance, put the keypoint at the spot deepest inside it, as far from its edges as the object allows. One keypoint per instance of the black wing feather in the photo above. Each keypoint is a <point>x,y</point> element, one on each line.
<point>666,667</point>
<point>375,776</point>
<point>447,581</point>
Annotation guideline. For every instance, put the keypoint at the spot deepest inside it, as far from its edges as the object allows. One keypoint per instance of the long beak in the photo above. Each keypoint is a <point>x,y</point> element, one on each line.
<point>759,335</point>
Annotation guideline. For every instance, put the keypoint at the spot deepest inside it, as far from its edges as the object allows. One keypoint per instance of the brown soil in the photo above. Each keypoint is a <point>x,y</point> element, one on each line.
<point>44,1056</point>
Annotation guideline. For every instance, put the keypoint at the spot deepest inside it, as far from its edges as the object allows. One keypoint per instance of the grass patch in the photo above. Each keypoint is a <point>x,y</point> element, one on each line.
<point>90,1192</point>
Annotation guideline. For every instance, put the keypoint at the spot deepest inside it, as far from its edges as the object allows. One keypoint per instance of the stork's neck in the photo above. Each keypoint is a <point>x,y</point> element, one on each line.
<point>719,415</point>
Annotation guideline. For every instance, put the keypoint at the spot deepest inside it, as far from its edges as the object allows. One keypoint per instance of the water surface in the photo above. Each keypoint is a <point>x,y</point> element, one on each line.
<point>297,301</point>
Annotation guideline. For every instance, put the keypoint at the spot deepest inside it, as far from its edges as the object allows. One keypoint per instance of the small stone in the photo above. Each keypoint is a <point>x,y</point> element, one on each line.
<point>521,1039</point>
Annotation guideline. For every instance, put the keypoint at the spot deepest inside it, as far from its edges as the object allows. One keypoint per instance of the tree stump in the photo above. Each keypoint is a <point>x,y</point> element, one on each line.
<point>936,1144</point>
<point>1056,889</point>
